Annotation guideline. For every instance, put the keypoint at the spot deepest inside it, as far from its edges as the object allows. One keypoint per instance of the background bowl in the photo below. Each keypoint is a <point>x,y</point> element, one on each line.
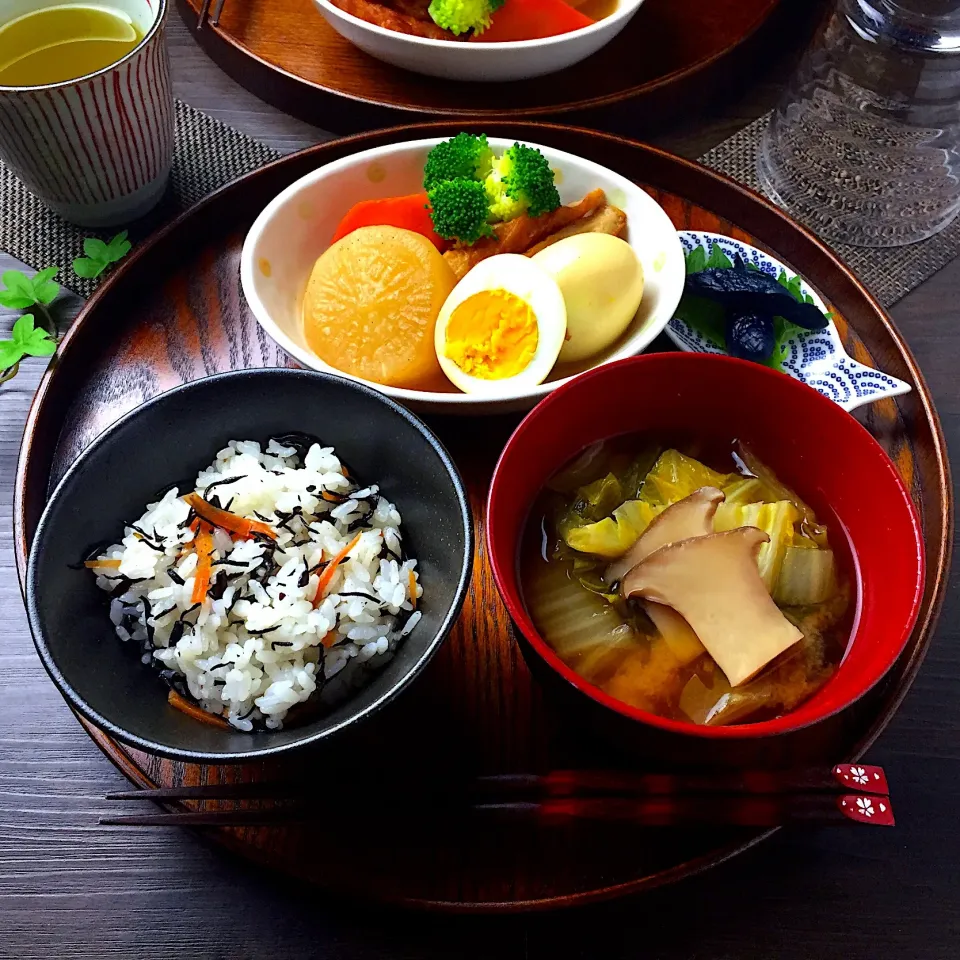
<point>286,239</point>
<point>169,439</point>
<point>489,62</point>
<point>810,442</point>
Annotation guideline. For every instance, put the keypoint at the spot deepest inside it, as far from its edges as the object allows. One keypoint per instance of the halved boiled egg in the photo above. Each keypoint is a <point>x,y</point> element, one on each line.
<point>502,326</point>
<point>601,278</point>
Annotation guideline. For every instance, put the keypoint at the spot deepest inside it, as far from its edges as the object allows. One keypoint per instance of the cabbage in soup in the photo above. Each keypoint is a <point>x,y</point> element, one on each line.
<point>694,586</point>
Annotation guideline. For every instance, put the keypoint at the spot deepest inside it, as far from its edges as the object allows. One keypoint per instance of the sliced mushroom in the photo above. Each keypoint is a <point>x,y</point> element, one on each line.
<point>677,634</point>
<point>690,517</point>
<point>713,583</point>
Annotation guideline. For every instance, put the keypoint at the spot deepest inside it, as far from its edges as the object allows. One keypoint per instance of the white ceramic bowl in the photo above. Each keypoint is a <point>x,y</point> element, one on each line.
<point>286,239</point>
<point>490,62</point>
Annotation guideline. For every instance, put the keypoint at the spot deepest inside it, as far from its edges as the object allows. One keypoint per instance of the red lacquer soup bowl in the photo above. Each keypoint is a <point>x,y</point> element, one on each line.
<point>813,445</point>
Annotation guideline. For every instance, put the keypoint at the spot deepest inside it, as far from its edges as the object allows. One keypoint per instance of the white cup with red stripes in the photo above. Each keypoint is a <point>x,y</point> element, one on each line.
<point>96,149</point>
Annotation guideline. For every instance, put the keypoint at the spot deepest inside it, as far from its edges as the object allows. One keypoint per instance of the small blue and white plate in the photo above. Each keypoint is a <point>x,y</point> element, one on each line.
<point>816,358</point>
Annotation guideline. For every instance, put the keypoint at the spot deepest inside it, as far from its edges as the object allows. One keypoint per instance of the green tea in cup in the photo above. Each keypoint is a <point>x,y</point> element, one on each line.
<point>64,42</point>
<point>86,106</point>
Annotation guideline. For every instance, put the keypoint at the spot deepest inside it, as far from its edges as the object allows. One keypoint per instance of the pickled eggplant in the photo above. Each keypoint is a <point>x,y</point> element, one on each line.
<point>720,293</point>
<point>717,282</point>
<point>753,292</point>
<point>751,336</point>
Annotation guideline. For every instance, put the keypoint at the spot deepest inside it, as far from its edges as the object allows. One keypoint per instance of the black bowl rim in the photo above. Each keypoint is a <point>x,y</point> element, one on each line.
<point>200,756</point>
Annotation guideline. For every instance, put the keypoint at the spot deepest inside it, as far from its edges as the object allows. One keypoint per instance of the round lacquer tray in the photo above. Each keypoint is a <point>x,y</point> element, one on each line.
<point>174,312</point>
<point>674,55</point>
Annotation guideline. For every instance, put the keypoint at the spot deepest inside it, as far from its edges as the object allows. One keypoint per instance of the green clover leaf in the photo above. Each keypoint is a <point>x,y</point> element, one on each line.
<point>95,249</point>
<point>10,354</point>
<point>31,340</point>
<point>119,247</point>
<point>43,286</point>
<point>87,268</point>
<point>26,340</point>
<point>19,293</point>
<point>100,255</point>
<point>22,291</point>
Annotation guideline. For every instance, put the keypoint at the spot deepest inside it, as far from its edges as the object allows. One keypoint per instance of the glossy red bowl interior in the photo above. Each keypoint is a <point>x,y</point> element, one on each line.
<point>811,443</point>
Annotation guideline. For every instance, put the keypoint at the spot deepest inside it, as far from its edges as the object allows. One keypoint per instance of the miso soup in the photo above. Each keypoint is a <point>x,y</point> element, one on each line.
<point>793,597</point>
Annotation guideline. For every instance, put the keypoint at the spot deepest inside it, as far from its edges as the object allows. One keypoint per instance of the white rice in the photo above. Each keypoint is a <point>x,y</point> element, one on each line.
<point>257,646</point>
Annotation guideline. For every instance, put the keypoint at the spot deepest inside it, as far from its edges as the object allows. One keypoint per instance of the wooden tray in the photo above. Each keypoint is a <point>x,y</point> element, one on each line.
<point>674,53</point>
<point>174,313</point>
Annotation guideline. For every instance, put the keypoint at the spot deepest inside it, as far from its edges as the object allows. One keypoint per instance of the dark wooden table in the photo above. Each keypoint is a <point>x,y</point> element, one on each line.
<point>71,889</point>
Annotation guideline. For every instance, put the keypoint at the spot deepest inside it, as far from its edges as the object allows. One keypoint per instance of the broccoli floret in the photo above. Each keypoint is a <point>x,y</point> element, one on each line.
<point>460,209</point>
<point>521,181</point>
<point>461,16</point>
<point>465,157</point>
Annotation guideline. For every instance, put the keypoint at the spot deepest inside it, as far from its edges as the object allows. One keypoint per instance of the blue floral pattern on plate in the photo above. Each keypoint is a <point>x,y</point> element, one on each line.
<point>816,358</point>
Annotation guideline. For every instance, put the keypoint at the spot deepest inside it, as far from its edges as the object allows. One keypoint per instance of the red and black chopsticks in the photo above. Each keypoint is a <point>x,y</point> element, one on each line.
<point>846,793</point>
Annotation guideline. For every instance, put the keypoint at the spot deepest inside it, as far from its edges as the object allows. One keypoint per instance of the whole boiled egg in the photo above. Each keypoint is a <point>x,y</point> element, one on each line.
<point>601,279</point>
<point>502,326</point>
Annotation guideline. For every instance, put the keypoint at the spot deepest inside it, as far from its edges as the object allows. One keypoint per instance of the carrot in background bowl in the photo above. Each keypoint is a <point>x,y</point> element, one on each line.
<point>532,20</point>
<point>410,213</point>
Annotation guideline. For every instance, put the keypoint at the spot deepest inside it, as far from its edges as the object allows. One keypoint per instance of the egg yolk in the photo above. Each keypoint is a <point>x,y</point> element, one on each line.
<point>492,335</point>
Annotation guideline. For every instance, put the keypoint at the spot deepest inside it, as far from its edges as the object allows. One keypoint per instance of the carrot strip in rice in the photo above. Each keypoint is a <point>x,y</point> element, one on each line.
<point>204,545</point>
<point>326,578</point>
<point>239,526</point>
<point>193,710</point>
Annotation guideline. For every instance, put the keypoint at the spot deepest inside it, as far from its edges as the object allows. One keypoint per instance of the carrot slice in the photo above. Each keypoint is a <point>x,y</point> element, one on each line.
<point>193,710</point>
<point>113,564</point>
<point>412,580</point>
<point>331,568</point>
<point>239,526</point>
<point>409,213</point>
<point>532,20</point>
<point>330,639</point>
<point>204,546</point>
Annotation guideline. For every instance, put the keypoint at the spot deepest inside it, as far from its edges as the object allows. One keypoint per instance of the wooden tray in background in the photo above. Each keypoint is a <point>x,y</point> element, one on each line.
<point>174,313</point>
<point>673,55</point>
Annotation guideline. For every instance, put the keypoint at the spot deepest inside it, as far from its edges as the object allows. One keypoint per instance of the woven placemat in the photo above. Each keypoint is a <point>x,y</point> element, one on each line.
<point>209,154</point>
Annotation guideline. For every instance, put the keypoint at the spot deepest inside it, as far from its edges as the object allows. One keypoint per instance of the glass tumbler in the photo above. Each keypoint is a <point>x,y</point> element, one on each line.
<point>864,148</point>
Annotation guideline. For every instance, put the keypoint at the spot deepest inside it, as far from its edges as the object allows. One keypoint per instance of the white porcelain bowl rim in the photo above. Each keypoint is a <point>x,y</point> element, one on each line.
<point>624,11</point>
<point>630,347</point>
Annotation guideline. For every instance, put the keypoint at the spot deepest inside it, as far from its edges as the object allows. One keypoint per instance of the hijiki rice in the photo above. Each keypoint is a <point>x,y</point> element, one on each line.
<point>250,591</point>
